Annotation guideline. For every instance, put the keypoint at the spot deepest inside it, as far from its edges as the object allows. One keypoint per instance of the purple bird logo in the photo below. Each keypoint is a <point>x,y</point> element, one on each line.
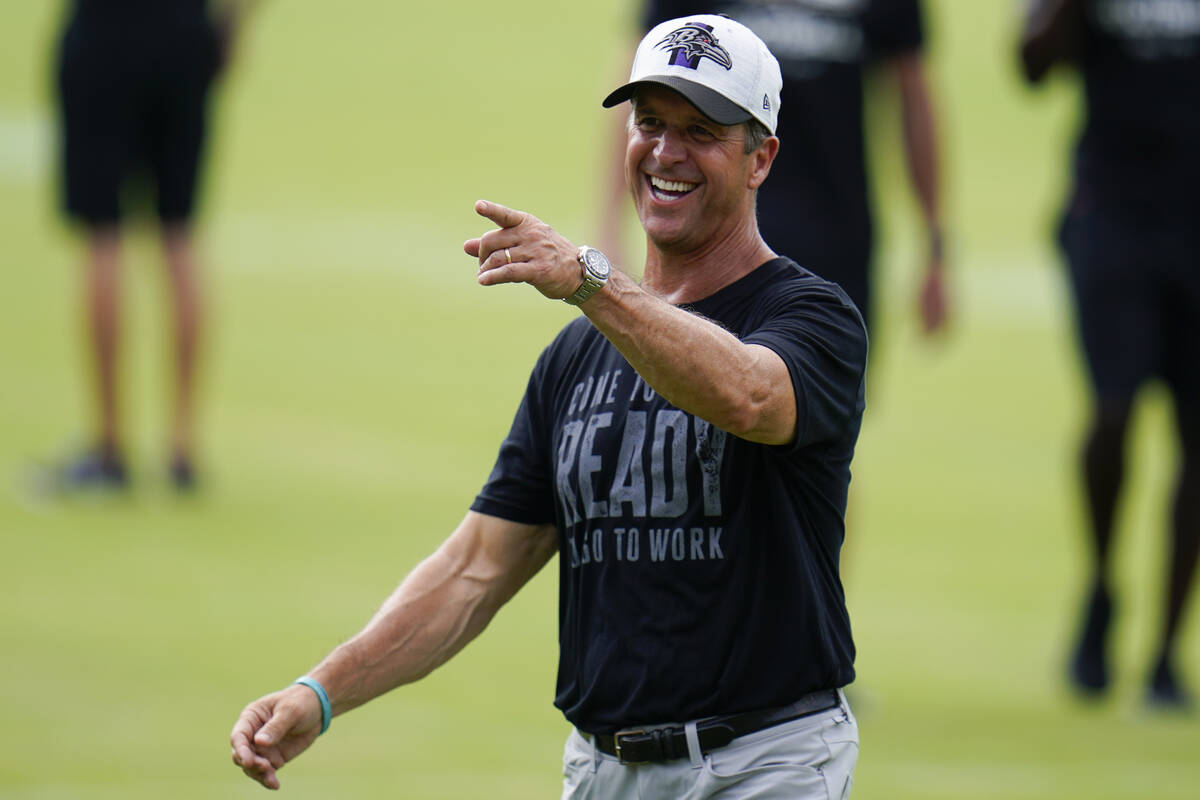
<point>693,42</point>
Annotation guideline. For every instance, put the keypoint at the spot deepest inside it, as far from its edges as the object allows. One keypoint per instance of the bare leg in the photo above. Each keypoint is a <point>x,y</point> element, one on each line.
<point>102,465</point>
<point>183,272</point>
<point>103,316</point>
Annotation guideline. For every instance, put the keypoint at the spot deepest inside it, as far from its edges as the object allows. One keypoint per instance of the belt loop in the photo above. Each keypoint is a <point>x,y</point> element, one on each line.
<point>595,752</point>
<point>693,743</point>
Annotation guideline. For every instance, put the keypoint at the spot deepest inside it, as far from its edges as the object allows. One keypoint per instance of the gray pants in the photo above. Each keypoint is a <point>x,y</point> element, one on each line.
<point>808,758</point>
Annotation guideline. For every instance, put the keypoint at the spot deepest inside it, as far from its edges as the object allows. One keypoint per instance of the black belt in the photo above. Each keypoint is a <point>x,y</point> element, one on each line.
<point>638,746</point>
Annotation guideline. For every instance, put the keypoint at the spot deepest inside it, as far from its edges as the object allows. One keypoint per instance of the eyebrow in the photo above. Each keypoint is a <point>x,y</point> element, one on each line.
<point>647,107</point>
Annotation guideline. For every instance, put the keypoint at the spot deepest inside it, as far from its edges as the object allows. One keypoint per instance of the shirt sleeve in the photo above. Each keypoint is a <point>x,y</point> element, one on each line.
<point>520,487</point>
<point>896,27</point>
<point>820,337</point>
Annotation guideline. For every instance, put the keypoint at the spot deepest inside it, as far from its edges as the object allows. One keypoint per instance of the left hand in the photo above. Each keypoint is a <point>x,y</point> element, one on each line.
<point>273,730</point>
<point>524,250</point>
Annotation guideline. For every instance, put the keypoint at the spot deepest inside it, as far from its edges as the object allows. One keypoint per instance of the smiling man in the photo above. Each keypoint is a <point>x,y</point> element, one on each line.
<point>685,446</point>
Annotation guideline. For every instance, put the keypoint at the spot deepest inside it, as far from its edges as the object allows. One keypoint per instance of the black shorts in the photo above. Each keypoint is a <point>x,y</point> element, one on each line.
<point>1137,301</point>
<point>133,105</point>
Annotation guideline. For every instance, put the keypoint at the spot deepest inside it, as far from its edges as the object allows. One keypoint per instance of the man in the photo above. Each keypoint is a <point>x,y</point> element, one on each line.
<point>133,80</point>
<point>1131,244</point>
<point>685,447</point>
<point>816,207</point>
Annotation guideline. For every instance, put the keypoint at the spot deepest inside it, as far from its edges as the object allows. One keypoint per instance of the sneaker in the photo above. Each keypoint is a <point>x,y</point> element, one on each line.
<point>1089,663</point>
<point>91,471</point>
<point>182,474</point>
<point>1165,690</point>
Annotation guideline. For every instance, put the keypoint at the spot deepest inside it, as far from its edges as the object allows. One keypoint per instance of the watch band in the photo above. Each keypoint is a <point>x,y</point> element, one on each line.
<point>596,269</point>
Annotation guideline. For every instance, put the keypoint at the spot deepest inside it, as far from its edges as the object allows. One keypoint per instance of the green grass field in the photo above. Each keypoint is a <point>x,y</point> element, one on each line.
<point>359,382</point>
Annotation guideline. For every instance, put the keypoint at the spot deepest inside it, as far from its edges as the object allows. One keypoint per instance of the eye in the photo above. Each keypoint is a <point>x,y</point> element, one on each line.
<point>701,133</point>
<point>648,123</point>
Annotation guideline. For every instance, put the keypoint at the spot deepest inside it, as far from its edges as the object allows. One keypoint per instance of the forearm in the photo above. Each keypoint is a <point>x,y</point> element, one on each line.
<point>436,611</point>
<point>426,620</point>
<point>699,367</point>
<point>228,17</point>
<point>613,207</point>
<point>234,10</point>
<point>921,148</point>
<point>695,364</point>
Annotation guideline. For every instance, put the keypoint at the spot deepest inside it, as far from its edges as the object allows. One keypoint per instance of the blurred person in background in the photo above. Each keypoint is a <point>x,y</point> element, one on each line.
<point>816,206</point>
<point>133,81</point>
<point>1132,246</point>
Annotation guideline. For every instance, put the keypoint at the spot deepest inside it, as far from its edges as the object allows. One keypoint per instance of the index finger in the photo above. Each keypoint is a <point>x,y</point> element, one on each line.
<point>240,739</point>
<point>503,216</point>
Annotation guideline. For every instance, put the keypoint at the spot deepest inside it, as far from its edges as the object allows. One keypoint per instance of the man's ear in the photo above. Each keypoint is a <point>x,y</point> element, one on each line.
<point>761,160</point>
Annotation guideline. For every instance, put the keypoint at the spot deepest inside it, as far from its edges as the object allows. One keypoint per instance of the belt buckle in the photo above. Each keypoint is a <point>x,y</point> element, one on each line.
<point>617,743</point>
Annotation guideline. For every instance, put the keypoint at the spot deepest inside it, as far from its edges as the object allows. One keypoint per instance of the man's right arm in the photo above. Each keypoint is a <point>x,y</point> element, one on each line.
<point>441,606</point>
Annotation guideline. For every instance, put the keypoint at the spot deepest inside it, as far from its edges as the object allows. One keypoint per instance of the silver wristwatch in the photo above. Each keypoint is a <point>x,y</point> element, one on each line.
<point>596,270</point>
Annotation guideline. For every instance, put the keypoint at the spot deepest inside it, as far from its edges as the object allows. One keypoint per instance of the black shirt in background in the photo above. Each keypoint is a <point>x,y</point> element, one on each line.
<point>814,206</point>
<point>1139,152</point>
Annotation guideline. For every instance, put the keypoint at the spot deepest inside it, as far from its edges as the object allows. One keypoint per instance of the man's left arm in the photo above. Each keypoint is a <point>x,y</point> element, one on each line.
<point>695,364</point>
<point>921,155</point>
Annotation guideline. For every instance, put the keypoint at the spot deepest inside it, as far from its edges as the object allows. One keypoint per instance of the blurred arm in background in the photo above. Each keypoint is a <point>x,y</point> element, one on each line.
<point>615,200</point>
<point>1050,34</point>
<point>228,18</point>
<point>921,155</point>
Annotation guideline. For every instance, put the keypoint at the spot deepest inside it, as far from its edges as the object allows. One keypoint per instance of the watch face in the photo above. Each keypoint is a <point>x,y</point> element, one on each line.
<point>597,262</point>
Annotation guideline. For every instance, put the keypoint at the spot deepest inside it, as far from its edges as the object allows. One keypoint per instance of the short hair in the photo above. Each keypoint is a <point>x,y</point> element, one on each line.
<point>756,134</point>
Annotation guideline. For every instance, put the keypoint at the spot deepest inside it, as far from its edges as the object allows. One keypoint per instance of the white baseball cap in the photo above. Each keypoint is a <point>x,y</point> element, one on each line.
<point>718,64</point>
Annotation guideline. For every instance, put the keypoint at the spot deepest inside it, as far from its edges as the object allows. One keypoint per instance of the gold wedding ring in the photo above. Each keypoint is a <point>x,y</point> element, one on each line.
<point>508,255</point>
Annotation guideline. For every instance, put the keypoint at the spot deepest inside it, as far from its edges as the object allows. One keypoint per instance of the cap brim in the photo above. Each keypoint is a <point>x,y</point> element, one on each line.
<point>715,106</point>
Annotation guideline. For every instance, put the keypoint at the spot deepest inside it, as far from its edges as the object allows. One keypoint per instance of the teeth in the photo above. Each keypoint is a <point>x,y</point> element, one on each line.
<point>671,186</point>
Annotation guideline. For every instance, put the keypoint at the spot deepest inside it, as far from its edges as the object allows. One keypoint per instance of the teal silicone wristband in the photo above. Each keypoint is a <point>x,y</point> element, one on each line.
<point>326,708</point>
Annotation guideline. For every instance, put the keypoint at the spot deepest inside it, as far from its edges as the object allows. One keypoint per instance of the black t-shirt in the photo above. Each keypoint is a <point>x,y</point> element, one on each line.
<point>1138,153</point>
<point>698,571</point>
<point>814,206</point>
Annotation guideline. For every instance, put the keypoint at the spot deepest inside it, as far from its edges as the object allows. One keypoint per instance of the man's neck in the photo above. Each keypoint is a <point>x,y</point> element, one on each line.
<point>687,277</point>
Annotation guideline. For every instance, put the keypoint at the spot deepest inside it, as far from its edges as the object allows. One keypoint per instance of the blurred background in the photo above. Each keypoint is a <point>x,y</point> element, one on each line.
<point>358,382</point>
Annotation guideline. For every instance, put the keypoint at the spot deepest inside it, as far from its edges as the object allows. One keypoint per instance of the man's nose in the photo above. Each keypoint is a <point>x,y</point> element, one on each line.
<point>669,149</point>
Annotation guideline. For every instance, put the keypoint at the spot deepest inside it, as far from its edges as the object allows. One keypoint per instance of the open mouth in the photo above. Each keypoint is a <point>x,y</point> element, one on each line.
<point>666,190</point>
